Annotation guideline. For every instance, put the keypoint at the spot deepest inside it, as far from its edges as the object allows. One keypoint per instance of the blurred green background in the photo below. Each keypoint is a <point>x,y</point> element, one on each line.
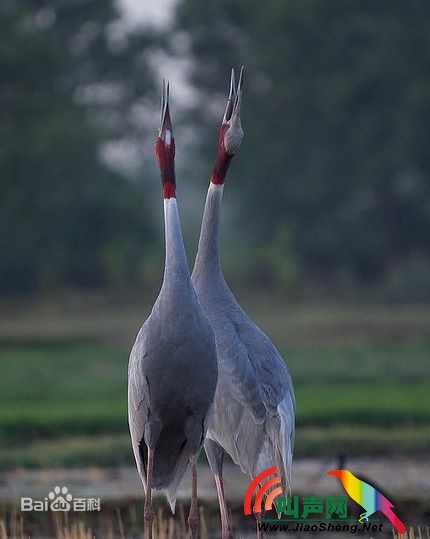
<point>326,224</point>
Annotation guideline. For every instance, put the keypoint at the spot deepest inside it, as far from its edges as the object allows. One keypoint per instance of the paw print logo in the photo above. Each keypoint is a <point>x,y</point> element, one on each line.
<point>60,499</point>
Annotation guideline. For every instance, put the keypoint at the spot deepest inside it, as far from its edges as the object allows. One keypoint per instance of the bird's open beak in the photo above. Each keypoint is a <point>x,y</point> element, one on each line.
<point>231,129</point>
<point>231,98</point>
<point>165,132</point>
<point>235,113</point>
<point>232,110</point>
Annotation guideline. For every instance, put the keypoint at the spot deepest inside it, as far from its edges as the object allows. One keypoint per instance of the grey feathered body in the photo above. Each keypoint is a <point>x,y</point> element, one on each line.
<point>172,372</point>
<point>254,407</point>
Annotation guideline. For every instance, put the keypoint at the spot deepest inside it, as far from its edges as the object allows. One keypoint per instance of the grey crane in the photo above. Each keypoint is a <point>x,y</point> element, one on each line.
<point>173,368</point>
<point>254,407</point>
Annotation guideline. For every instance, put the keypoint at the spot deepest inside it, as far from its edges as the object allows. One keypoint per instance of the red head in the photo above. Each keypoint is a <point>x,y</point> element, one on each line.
<point>231,133</point>
<point>165,147</point>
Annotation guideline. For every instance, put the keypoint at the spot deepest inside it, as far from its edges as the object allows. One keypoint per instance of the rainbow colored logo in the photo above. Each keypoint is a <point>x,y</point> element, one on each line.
<point>265,488</point>
<point>262,491</point>
<point>370,499</point>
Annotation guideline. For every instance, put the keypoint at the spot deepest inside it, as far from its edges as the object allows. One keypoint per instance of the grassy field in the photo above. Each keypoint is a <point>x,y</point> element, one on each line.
<point>361,377</point>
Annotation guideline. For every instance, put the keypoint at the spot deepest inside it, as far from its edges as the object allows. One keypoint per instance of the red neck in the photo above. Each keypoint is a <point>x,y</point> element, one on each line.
<point>166,160</point>
<point>222,161</point>
<point>169,190</point>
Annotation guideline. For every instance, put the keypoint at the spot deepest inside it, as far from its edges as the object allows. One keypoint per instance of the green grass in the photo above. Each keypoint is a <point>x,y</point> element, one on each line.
<point>362,384</point>
<point>114,449</point>
<point>70,451</point>
<point>362,440</point>
<point>67,372</point>
<point>377,360</point>
<point>383,404</point>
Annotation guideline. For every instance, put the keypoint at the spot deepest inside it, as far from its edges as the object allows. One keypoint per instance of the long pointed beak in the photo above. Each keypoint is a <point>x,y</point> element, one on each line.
<point>235,115</point>
<point>231,130</point>
<point>231,98</point>
<point>165,132</point>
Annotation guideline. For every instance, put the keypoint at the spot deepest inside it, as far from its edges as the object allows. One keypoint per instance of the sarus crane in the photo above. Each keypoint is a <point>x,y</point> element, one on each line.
<point>254,407</point>
<point>173,368</point>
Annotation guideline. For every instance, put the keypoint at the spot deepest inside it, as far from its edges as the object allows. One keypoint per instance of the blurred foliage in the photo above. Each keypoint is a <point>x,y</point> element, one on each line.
<point>336,118</point>
<point>331,186</point>
<point>409,280</point>
<point>39,416</point>
<point>65,219</point>
<point>356,369</point>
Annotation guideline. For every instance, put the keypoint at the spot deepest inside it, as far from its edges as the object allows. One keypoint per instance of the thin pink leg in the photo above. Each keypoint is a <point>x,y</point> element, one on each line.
<point>225,519</point>
<point>148,511</point>
<point>258,517</point>
<point>193,517</point>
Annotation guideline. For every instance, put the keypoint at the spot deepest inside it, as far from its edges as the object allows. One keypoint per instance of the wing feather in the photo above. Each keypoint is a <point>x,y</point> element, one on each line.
<point>268,380</point>
<point>138,402</point>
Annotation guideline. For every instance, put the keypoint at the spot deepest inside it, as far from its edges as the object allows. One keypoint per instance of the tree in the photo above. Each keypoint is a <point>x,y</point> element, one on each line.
<point>66,220</point>
<point>335,115</point>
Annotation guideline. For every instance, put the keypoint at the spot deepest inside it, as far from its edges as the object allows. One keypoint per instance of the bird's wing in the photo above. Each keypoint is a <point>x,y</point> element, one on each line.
<point>277,397</point>
<point>172,381</point>
<point>259,378</point>
<point>138,400</point>
<point>237,366</point>
<point>268,365</point>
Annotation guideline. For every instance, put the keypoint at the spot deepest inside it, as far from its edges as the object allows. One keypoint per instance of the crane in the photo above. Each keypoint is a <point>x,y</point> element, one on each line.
<point>254,406</point>
<point>173,368</point>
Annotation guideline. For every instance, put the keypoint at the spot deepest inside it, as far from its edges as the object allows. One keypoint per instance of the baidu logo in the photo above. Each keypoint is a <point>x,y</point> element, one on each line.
<point>60,499</point>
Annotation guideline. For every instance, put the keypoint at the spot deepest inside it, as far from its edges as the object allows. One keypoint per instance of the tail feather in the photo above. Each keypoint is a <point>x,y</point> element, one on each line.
<point>395,521</point>
<point>169,464</point>
<point>286,410</point>
<point>172,489</point>
<point>279,444</point>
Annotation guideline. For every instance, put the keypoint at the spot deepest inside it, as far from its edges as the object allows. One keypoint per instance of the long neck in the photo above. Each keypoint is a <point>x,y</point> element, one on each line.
<point>176,266</point>
<point>207,259</point>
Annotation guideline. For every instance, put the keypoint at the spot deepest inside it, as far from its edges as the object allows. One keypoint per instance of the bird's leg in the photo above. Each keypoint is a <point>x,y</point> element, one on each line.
<point>258,517</point>
<point>193,517</point>
<point>148,511</point>
<point>225,520</point>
